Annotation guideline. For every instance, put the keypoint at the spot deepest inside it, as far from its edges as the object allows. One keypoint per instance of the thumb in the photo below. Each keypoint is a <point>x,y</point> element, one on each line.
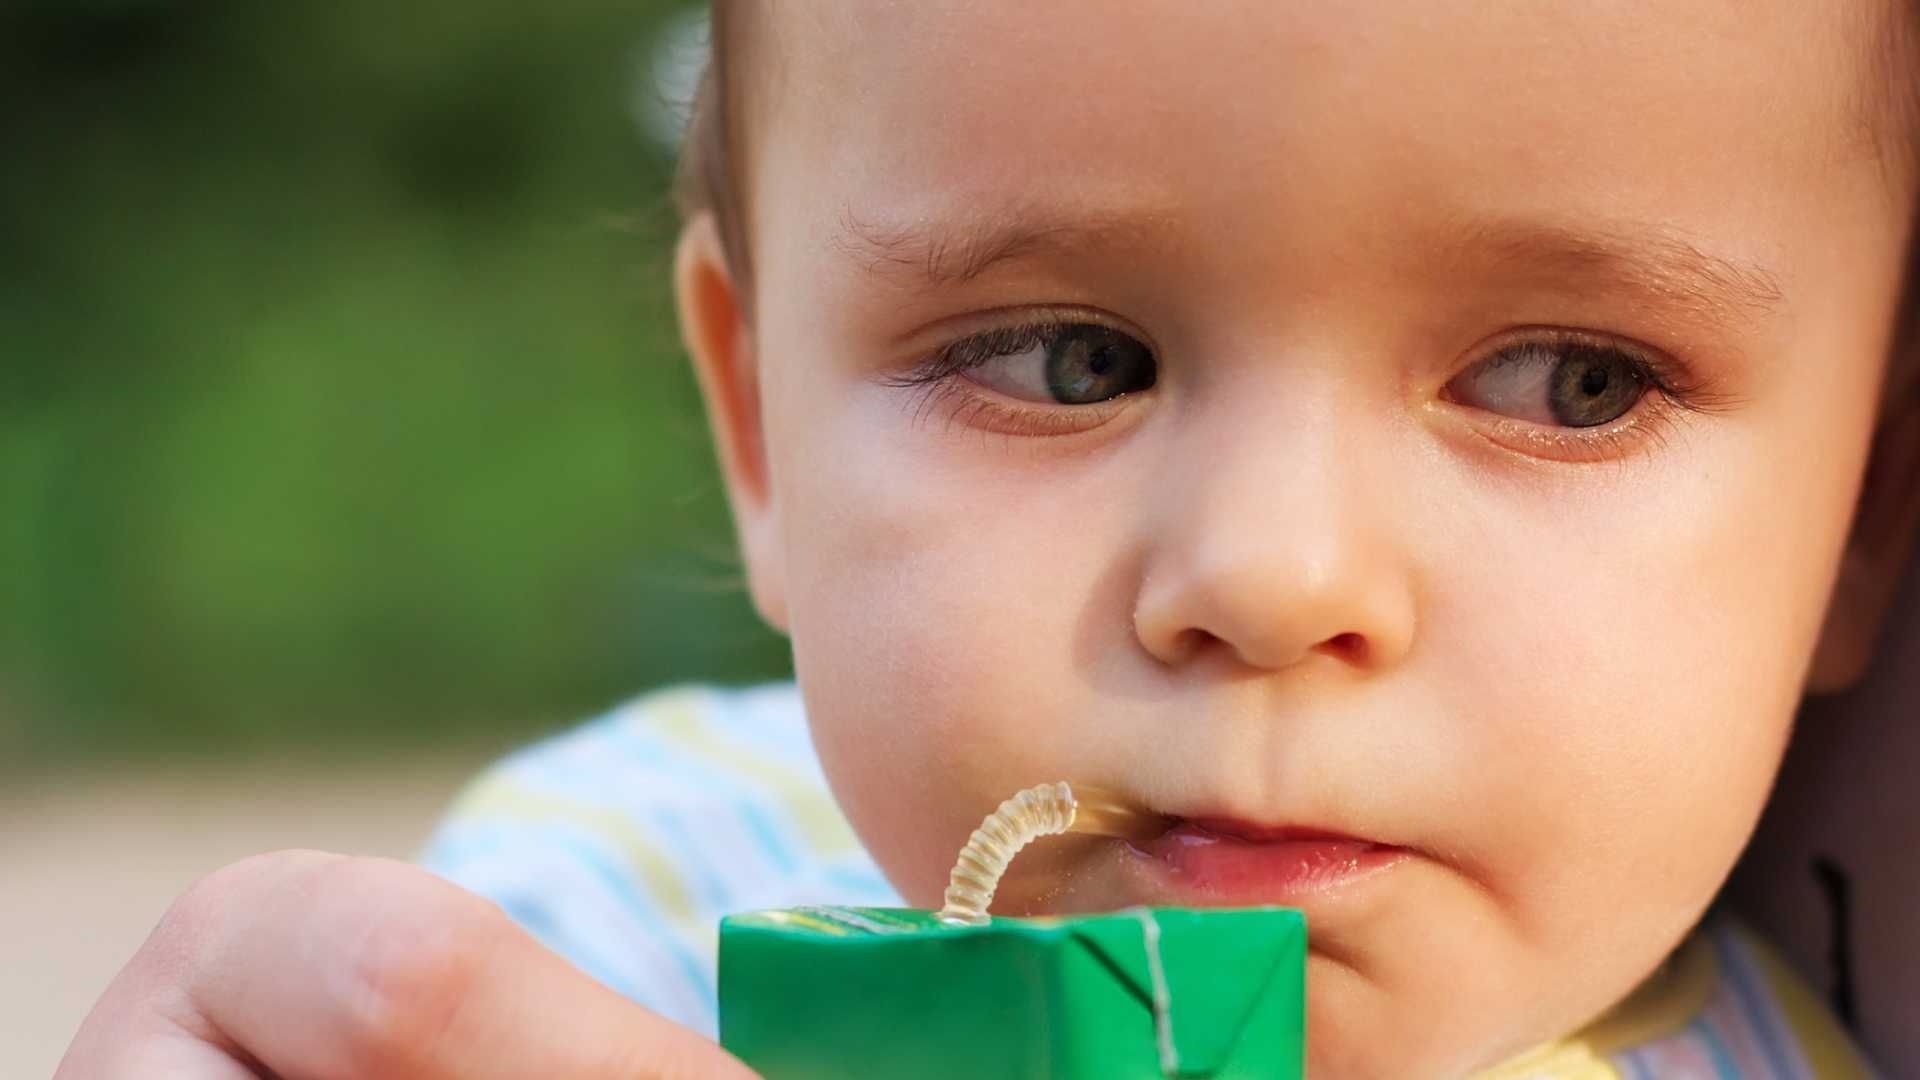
<point>325,966</point>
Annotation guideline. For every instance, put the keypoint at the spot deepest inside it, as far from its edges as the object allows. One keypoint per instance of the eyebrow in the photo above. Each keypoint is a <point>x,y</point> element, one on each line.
<point>935,254</point>
<point>1651,260</point>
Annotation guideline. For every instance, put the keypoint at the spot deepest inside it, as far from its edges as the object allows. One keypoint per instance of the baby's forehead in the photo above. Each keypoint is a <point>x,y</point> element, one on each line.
<point>1256,125</point>
<point>1815,73</point>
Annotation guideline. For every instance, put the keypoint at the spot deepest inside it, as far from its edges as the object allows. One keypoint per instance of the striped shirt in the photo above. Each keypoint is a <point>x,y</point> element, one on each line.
<point>620,845</point>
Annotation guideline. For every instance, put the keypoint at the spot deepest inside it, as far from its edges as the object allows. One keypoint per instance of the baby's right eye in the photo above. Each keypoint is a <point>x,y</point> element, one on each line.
<point>1069,363</point>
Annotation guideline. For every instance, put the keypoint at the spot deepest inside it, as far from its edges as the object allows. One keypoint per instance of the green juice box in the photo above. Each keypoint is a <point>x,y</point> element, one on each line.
<point>879,993</point>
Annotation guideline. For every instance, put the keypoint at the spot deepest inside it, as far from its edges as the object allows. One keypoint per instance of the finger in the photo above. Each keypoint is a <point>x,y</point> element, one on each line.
<point>407,975</point>
<point>144,1028</point>
<point>172,1055</point>
<point>110,1050</point>
<point>325,966</point>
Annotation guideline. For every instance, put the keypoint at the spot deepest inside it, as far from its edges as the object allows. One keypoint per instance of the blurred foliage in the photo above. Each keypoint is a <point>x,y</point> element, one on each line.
<point>340,402</point>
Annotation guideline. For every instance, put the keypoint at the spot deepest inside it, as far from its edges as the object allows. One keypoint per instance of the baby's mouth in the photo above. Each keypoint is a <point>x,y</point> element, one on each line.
<point>1221,861</point>
<point>1129,854</point>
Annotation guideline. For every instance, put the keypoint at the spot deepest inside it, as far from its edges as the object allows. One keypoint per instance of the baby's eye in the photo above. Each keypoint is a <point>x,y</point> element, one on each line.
<point>1564,383</point>
<point>1063,364</point>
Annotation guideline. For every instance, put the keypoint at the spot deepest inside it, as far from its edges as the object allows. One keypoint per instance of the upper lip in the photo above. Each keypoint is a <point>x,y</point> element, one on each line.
<point>1253,832</point>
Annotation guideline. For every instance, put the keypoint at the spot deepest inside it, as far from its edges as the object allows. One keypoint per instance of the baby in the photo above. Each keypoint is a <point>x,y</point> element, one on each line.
<point>1423,450</point>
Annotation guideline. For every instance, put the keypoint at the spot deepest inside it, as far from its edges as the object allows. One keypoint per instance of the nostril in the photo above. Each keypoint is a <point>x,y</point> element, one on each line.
<point>1190,643</point>
<point>1349,646</point>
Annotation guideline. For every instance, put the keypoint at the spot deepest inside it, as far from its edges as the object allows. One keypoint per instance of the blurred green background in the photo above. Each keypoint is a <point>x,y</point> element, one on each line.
<point>341,406</point>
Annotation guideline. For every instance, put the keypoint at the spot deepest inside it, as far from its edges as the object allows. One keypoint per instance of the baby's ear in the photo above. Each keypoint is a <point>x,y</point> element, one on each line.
<point>1881,544</point>
<point>716,330</point>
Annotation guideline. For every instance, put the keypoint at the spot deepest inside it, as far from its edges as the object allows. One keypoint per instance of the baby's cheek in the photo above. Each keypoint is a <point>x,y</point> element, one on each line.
<point>933,655</point>
<point>941,584</point>
<point>1629,693</point>
<point>922,727</point>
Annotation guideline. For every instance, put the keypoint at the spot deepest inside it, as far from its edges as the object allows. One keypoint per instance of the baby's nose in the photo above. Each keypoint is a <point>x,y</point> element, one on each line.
<point>1278,560</point>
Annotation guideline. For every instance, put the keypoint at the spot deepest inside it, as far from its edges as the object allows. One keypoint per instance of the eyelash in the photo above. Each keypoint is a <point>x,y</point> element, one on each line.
<point>1674,389</point>
<point>940,383</point>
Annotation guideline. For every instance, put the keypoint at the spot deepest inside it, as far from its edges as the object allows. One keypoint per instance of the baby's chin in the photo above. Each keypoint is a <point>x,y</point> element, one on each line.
<point>1358,1028</point>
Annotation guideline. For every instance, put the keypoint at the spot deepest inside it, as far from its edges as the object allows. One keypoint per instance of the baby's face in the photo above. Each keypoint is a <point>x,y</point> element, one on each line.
<point>1411,446</point>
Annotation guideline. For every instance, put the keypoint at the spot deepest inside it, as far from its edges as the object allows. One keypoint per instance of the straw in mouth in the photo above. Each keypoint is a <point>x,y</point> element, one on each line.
<point>1046,810</point>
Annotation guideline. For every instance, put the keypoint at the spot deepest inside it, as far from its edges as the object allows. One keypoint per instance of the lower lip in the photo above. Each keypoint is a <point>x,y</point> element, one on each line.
<point>1210,866</point>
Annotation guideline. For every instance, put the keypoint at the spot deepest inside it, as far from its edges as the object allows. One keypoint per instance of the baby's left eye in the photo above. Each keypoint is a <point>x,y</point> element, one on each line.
<point>1065,364</point>
<point>1555,383</point>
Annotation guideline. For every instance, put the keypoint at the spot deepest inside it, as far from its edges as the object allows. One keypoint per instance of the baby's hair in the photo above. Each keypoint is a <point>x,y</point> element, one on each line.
<point>705,180</point>
<point>1893,86</point>
<point>711,177</point>
<point>1893,118</point>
